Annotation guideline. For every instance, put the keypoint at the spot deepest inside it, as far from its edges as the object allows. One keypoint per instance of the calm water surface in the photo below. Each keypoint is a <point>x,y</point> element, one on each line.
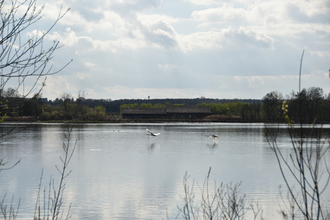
<point>120,172</point>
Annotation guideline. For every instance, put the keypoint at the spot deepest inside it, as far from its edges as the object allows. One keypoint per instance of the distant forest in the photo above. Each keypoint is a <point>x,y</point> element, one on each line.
<point>308,103</point>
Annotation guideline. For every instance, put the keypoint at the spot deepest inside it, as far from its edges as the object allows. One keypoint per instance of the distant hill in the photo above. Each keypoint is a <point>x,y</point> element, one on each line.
<point>114,105</point>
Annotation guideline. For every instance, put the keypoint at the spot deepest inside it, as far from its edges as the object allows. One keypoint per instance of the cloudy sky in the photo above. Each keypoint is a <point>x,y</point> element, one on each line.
<point>188,48</point>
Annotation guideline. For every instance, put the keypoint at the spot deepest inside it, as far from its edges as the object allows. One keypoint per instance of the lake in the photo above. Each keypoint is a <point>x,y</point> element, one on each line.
<point>119,171</point>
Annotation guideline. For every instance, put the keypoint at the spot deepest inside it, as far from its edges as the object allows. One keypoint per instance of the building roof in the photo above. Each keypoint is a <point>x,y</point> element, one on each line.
<point>143,111</point>
<point>188,109</point>
<point>169,110</point>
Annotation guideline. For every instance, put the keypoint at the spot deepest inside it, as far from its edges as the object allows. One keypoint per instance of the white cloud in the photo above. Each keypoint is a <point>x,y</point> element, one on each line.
<point>82,76</point>
<point>314,11</point>
<point>321,53</point>
<point>168,66</point>
<point>69,38</point>
<point>204,40</point>
<point>226,87</point>
<point>221,15</point>
<point>123,91</point>
<point>88,64</point>
<point>229,37</point>
<point>159,33</point>
<point>208,2</point>
<point>56,86</point>
<point>243,36</point>
<point>145,18</point>
<point>119,91</point>
<point>126,7</point>
<point>238,49</point>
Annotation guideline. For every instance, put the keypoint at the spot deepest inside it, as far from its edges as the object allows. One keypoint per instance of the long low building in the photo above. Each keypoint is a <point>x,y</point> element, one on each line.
<point>169,112</point>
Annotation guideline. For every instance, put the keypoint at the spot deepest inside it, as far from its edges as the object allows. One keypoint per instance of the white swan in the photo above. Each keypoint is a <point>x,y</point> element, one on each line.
<point>153,134</point>
<point>212,135</point>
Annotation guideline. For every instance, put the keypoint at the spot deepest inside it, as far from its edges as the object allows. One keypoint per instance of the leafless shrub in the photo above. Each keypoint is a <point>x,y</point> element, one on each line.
<point>222,202</point>
<point>51,203</point>
<point>307,166</point>
<point>9,212</point>
<point>53,199</point>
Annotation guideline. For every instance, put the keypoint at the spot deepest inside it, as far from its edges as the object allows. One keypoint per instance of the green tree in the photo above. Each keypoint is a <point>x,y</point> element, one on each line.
<point>100,112</point>
<point>135,105</point>
<point>66,98</point>
<point>146,105</point>
<point>158,105</point>
<point>246,111</point>
<point>272,106</point>
<point>308,105</point>
<point>32,107</point>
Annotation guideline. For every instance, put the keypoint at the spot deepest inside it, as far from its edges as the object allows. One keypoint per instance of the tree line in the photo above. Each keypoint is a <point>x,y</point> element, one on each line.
<point>307,106</point>
<point>312,102</point>
<point>310,105</point>
<point>65,108</point>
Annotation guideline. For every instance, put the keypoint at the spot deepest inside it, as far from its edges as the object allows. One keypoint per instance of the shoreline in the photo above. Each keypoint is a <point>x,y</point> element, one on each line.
<point>212,119</point>
<point>120,120</point>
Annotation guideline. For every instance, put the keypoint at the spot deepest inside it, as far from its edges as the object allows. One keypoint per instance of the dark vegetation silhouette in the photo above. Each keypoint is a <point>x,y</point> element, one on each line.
<point>268,109</point>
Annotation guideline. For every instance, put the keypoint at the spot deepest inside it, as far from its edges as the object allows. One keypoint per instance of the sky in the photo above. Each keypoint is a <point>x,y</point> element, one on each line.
<point>224,49</point>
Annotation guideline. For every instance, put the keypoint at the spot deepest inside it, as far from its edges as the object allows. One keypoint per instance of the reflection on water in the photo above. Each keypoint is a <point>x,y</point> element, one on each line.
<point>120,172</point>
